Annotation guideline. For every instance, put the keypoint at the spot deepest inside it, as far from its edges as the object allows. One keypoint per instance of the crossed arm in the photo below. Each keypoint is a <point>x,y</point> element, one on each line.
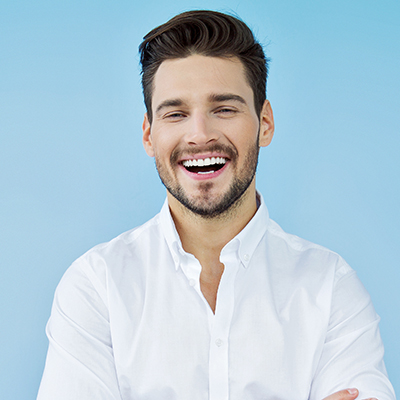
<point>80,360</point>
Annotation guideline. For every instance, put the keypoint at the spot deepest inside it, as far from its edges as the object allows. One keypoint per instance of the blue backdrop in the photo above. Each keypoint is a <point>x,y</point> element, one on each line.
<point>73,172</point>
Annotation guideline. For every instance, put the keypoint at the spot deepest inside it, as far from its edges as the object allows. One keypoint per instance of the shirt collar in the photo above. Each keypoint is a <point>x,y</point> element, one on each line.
<point>170,233</point>
<point>250,236</point>
<point>247,240</point>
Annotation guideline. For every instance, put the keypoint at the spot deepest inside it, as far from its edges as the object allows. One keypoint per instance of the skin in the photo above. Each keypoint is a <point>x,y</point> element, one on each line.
<point>204,107</point>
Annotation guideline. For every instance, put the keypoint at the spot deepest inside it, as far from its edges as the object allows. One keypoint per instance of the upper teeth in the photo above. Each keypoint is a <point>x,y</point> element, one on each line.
<point>202,162</point>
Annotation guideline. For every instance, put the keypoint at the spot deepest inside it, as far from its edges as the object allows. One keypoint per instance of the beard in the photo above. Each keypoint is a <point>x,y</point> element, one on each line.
<point>205,204</point>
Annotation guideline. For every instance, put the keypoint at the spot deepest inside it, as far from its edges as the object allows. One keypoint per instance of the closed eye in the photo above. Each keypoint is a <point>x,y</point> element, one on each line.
<point>174,115</point>
<point>225,111</point>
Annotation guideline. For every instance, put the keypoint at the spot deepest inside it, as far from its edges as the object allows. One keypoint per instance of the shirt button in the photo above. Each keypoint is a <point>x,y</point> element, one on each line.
<point>192,282</point>
<point>246,257</point>
<point>219,342</point>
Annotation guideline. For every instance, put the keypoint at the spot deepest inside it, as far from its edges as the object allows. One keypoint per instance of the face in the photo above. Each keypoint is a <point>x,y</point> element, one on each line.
<point>205,134</point>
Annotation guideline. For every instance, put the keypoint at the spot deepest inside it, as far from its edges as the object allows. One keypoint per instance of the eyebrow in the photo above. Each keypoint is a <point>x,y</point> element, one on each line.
<point>219,98</point>
<point>169,103</point>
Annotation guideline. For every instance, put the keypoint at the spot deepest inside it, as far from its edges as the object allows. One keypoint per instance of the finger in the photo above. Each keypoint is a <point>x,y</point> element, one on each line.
<point>348,394</point>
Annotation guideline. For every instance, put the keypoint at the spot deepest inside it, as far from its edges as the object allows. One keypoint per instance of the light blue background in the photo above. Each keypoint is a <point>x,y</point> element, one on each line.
<point>73,172</point>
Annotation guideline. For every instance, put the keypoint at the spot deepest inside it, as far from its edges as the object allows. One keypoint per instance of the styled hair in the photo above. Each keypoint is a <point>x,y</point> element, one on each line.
<point>207,33</point>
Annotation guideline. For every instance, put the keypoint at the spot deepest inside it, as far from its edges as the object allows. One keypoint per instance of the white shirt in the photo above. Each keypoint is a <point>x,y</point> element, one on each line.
<point>292,321</point>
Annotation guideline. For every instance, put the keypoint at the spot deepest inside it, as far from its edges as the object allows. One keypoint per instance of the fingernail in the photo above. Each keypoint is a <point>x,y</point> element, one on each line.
<point>352,391</point>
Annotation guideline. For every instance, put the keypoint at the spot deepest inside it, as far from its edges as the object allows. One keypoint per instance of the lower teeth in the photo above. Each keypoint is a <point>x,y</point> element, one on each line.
<point>206,172</point>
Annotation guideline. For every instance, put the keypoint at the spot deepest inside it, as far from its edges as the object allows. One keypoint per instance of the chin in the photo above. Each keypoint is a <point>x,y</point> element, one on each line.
<point>208,205</point>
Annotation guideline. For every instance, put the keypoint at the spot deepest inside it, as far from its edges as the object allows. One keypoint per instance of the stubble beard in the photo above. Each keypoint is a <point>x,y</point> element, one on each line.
<point>205,205</point>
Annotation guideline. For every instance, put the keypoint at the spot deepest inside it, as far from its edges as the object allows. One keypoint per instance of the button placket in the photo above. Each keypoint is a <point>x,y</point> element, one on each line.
<point>219,346</point>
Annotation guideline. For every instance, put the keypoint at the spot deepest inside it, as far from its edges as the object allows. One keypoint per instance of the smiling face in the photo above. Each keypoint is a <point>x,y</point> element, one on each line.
<point>205,134</point>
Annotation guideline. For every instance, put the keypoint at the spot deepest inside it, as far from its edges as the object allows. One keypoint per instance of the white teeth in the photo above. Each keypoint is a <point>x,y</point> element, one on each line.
<point>204,162</point>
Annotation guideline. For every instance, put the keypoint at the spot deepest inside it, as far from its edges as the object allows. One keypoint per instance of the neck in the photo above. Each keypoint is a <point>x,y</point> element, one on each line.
<point>205,237</point>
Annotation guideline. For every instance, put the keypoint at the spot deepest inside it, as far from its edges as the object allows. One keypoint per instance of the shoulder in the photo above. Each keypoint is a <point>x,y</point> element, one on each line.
<point>133,237</point>
<point>136,240</point>
<point>94,269</point>
<point>296,244</point>
<point>323,272</point>
<point>310,257</point>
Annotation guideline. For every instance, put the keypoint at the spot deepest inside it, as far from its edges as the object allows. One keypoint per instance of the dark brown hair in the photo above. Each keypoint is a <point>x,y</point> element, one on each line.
<point>207,33</point>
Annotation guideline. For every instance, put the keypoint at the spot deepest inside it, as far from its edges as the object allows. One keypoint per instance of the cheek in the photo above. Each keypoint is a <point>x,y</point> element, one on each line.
<point>162,147</point>
<point>245,137</point>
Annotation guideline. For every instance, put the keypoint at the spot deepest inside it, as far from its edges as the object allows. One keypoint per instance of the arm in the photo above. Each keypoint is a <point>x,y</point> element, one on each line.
<point>352,355</point>
<point>80,362</point>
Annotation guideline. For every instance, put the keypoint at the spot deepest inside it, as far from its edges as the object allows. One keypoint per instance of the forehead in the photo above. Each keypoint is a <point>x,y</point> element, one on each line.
<point>198,76</point>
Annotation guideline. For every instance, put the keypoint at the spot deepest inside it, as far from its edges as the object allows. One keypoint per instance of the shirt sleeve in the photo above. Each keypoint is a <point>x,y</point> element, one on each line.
<point>352,354</point>
<point>80,362</point>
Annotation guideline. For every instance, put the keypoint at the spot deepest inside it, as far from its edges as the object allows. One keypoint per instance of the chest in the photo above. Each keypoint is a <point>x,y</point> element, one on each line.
<point>168,344</point>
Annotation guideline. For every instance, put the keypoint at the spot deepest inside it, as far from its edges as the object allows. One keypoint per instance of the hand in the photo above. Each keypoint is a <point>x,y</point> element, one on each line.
<point>348,394</point>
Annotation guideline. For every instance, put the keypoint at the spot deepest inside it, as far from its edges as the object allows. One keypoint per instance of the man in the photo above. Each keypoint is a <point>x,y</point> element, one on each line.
<point>210,299</point>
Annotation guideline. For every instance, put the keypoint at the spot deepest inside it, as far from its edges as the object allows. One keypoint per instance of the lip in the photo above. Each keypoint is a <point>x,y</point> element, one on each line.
<point>203,177</point>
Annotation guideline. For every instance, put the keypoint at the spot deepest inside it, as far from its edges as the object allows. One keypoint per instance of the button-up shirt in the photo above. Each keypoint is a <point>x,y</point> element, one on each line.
<point>292,321</point>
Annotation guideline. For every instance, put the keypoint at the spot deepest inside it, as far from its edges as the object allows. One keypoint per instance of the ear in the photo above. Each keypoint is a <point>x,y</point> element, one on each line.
<point>147,142</point>
<point>267,126</point>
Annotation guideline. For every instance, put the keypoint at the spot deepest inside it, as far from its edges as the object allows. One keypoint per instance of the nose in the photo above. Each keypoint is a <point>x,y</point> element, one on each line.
<point>200,131</point>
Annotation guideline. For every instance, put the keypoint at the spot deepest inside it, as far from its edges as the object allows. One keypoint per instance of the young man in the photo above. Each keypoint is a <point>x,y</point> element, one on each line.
<point>210,299</point>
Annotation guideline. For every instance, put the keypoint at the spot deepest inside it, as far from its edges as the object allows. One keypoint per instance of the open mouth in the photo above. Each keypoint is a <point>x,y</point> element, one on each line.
<point>204,165</point>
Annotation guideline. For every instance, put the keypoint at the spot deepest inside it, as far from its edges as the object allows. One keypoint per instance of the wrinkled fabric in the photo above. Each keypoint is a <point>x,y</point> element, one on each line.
<point>292,321</point>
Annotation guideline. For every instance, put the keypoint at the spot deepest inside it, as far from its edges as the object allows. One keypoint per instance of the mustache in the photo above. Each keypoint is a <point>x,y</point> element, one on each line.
<point>178,153</point>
